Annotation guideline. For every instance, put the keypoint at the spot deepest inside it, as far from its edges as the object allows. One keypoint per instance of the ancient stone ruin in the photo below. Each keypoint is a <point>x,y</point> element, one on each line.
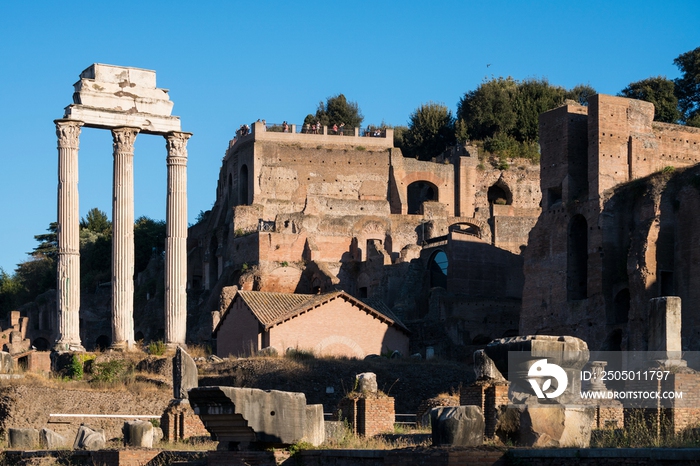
<point>241,417</point>
<point>127,102</point>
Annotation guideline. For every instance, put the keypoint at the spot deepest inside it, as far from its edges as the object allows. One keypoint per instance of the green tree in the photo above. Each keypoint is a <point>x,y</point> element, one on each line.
<point>580,93</point>
<point>10,290</point>
<point>430,131</point>
<point>149,240</point>
<point>688,86</point>
<point>95,249</point>
<point>337,110</point>
<point>489,109</point>
<point>534,96</point>
<point>660,92</point>
<point>96,221</point>
<point>48,242</point>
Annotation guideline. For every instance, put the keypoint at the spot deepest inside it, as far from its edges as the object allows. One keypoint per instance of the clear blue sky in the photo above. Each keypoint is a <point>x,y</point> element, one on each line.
<point>229,63</point>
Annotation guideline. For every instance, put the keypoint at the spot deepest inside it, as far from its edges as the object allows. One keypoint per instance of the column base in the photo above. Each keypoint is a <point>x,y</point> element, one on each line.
<point>63,346</point>
<point>122,346</point>
<point>173,346</point>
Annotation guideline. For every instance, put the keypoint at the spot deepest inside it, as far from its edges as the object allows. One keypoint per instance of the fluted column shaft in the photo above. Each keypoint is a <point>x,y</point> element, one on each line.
<point>68,262</point>
<point>176,240</point>
<point>123,238</point>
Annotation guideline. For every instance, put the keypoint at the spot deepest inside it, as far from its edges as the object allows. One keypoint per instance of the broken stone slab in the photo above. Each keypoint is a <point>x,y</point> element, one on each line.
<point>546,426</point>
<point>138,434</point>
<point>314,427</point>
<point>485,368</point>
<point>367,382</point>
<point>50,440</point>
<point>88,438</point>
<point>23,439</point>
<point>457,426</point>
<point>569,353</point>
<point>185,374</point>
<point>237,417</point>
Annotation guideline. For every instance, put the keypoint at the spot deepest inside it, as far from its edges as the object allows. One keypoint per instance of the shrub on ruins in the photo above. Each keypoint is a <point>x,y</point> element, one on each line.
<point>688,86</point>
<point>660,91</point>
<point>337,110</point>
<point>430,131</point>
<point>504,114</point>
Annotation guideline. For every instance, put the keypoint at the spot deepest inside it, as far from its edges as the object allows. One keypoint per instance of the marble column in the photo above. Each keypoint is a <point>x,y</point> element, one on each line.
<point>123,238</point>
<point>68,266</point>
<point>176,240</point>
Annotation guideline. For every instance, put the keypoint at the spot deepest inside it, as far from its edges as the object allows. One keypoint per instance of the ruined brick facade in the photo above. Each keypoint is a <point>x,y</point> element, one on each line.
<point>308,213</point>
<point>618,226</point>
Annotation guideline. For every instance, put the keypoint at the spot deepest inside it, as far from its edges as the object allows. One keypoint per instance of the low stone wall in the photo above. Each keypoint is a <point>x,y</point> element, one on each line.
<point>483,456</point>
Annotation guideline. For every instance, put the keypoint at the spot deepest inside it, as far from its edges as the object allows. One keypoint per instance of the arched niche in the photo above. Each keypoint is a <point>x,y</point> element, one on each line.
<point>499,193</point>
<point>419,192</point>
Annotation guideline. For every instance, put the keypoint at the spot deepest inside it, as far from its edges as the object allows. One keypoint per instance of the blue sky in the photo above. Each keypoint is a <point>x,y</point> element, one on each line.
<point>229,63</point>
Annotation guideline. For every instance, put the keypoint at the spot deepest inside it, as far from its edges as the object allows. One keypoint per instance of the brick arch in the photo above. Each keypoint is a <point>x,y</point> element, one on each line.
<point>426,177</point>
<point>339,344</point>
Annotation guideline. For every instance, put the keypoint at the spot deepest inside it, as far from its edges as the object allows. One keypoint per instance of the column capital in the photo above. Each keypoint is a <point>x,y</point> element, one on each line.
<point>68,132</point>
<point>176,143</point>
<point>124,139</point>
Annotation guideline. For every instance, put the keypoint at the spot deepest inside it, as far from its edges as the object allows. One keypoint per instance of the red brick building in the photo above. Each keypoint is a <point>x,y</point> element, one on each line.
<point>328,324</point>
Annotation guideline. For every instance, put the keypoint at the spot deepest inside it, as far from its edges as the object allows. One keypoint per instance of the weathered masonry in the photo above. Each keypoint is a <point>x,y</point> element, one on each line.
<point>618,225</point>
<point>127,102</point>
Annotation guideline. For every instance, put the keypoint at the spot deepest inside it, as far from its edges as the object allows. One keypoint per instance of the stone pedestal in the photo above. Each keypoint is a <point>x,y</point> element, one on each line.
<point>68,238</point>
<point>369,415</point>
<point>665,331</point>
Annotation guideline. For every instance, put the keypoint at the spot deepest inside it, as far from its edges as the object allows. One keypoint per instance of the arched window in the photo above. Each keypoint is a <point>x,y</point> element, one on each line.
<point>577,259</point>
<point>438,269</point>
<point>243,186</point>
<point>419,192</point>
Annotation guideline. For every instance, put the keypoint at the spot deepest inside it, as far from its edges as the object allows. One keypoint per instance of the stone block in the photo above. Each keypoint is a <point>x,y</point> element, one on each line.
<point>23,439</point>
<point>314,427</point>
<point>547,426</point>
<point>665,330</point>
<point>88,438</point>
<point>50,440</point>
<point>367,382</point>
<point>138,434</point>
<point>185,375</point>
<point>239,416</point>
<point>461,426</point>
<point>6,364</point>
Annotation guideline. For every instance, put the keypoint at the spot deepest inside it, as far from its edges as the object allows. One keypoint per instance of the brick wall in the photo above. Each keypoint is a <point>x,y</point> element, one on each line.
<point>490,398</point>
<point>368,416</point>
<point>124,457</point>
<point>179,422</point>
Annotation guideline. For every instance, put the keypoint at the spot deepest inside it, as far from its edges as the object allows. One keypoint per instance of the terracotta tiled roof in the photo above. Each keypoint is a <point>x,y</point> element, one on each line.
<point>269,307</point>
<point>274,308</point>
